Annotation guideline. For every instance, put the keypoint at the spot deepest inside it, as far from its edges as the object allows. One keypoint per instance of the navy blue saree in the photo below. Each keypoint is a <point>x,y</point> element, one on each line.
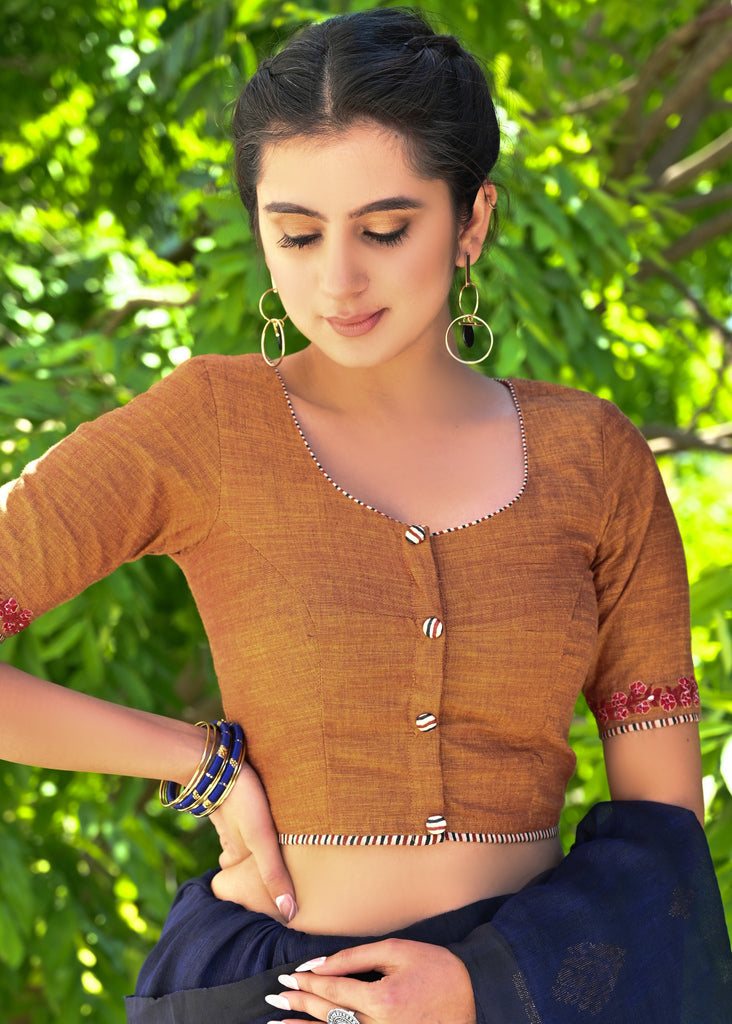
<point>628,928</point>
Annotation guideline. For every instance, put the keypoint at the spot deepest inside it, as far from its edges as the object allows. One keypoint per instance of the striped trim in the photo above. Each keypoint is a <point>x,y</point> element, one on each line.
<point>493,838</point>
<point>524,447</point>
<point>653,723</point>
<point>372,508</point>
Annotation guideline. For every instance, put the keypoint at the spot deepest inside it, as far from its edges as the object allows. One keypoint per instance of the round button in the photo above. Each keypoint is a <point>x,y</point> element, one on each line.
<point>416,534</point>
<point>432,627</point>
<point>436,824</point>
<point>426,722</point>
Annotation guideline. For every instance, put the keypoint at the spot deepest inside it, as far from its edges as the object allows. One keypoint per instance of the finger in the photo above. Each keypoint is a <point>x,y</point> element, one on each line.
<point>315,1005</point>
<point>265,849</point>
<point>385,957</point>
<point>362,1018</point>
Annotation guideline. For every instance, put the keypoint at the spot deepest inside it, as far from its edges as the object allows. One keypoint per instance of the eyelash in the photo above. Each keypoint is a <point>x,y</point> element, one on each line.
<point>303,241</point>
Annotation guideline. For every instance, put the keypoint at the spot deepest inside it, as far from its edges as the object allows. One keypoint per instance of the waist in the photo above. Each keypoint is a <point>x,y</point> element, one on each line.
<point>371,890</point>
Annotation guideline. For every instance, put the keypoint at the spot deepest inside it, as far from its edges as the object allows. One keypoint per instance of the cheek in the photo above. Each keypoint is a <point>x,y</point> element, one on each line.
<point>286,273</point>
<point>430,265</point>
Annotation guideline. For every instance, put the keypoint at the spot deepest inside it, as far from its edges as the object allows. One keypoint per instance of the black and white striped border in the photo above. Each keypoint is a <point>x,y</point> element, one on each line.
<point>653,723</point>
<point>437,533</point>
<point>496,838</point>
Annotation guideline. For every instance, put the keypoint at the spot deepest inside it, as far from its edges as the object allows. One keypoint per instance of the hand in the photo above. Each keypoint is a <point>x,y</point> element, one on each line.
<point>253,872</point>
<point>422,984</point>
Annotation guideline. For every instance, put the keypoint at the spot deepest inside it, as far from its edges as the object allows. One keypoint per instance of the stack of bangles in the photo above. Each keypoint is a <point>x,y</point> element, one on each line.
<point>216,774</point>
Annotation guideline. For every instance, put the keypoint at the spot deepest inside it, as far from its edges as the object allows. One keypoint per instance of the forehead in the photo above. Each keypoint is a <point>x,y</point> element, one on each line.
<point>338,174</point>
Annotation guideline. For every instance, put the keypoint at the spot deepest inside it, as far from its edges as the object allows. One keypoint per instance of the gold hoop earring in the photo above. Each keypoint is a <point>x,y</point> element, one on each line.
<point>277,323</point>
<point>467,322</point>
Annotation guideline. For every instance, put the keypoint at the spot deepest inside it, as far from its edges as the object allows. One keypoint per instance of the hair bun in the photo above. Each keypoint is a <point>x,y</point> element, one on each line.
<point>447,45</point>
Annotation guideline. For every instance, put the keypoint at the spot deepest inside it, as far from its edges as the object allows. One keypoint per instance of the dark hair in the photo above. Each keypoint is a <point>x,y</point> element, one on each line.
<point>387,66</point>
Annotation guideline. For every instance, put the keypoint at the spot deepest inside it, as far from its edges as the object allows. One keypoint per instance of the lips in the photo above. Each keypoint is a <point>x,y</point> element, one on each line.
<point>354,326</point>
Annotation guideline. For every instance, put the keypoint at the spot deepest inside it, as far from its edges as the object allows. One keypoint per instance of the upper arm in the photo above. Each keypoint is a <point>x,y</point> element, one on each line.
<point>642,673</point>
<point>140,479</point>
<point>663,765</point>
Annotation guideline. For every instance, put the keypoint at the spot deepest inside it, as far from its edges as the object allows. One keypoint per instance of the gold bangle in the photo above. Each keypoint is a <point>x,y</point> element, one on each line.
<point>212,734</point>
<point>222,752</point>
<point>210,808</point>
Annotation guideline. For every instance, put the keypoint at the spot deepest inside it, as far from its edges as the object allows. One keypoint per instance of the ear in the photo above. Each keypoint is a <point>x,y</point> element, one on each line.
<point>472,236</point>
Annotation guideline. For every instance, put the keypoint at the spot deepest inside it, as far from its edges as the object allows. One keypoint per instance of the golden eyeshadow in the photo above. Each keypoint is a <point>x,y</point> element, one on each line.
<point>293,224</point>
<point>383,225</point>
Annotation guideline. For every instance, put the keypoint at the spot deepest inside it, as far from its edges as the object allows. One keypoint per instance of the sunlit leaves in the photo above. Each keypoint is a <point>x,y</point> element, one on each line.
<point>124,249</point>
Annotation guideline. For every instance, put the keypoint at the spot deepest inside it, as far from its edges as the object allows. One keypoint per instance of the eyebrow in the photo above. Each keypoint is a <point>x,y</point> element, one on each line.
<point>378,206</point>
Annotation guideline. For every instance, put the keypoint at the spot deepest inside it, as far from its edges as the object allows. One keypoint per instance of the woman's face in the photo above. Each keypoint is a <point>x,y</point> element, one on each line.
<point>361,249</point>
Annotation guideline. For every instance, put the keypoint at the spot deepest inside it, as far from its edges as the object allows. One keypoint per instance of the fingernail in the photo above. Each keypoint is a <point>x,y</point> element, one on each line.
<point>308,966</point>
<point>288,981</point>
<point>286,906</point>
<point>279,1001</point>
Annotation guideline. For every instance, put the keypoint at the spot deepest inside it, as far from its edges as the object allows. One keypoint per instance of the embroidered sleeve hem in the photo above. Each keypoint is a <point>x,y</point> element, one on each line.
<point>677,704</point>
<point>13,618</point>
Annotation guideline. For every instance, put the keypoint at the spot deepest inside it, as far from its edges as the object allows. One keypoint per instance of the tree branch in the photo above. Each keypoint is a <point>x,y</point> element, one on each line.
<point>700,200</point>
<point>648,269</point>
<point>598,99</point>
<point>662,58</point>
<point>664,440</point>
<point>699,236</point>
<point>680,138</point>
<point>692,83</point>
<point>681,173</point>
<point>115,317</point>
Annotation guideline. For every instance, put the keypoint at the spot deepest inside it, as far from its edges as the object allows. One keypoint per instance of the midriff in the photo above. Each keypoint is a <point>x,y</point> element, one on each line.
<point>367,890</point>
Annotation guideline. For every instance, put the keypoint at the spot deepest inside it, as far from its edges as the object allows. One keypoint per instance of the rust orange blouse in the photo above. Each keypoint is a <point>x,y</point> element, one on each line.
<point>394,685</point>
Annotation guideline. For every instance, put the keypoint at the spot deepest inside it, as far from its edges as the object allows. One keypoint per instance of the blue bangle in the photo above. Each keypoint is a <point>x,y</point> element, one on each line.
<point>213,773</point>
<point>220,765</point>
<point>215,796</point>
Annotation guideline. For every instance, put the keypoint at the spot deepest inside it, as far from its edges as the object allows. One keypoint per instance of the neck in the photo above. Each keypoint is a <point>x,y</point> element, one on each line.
<point>425,384</point>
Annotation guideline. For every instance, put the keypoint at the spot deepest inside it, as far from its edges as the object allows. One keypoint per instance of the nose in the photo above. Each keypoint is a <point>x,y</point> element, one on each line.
<point>343,274</point>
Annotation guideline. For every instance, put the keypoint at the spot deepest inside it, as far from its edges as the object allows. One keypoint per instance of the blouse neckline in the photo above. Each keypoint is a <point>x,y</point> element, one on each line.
<point>371,508</point>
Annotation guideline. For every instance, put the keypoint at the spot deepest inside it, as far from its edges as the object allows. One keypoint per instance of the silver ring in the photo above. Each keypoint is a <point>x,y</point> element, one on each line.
<point>340,1016</point>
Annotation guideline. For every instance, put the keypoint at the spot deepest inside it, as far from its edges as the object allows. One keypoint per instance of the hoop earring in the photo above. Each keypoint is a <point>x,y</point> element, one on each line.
<point>277,323</point>
<point>467,322</point>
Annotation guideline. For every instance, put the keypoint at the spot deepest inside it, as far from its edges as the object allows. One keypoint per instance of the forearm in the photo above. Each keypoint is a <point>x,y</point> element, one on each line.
<point>53,727</point>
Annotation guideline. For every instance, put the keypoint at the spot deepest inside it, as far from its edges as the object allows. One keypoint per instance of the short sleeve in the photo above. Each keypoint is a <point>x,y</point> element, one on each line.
<point>642,672</point>
<point>142,479</point>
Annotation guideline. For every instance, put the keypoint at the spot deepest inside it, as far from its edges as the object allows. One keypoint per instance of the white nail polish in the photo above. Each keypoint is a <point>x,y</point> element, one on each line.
<point>288,981</point>
<point>279,1001</point>
<point>286,906</point>
<point>312,963</point>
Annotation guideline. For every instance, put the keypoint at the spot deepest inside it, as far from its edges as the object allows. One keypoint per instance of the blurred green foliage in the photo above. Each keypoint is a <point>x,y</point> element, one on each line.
<point>124,251</point>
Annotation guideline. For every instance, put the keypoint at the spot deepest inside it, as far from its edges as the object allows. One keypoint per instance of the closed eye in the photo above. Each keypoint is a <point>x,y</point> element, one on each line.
<point>297,241</point>
<point>391,238</point>
<point>303,241</point>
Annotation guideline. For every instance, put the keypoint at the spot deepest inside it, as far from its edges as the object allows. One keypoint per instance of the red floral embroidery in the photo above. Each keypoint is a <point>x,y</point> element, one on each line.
<point>13,618</point>
<point>641,699</point>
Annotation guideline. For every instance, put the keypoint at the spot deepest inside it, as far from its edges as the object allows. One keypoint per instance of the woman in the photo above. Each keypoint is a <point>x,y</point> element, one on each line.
<point>407,572</point>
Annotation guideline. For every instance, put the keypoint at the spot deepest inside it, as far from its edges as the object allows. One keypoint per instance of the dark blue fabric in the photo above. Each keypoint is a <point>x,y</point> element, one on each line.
<point>628,928</point>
